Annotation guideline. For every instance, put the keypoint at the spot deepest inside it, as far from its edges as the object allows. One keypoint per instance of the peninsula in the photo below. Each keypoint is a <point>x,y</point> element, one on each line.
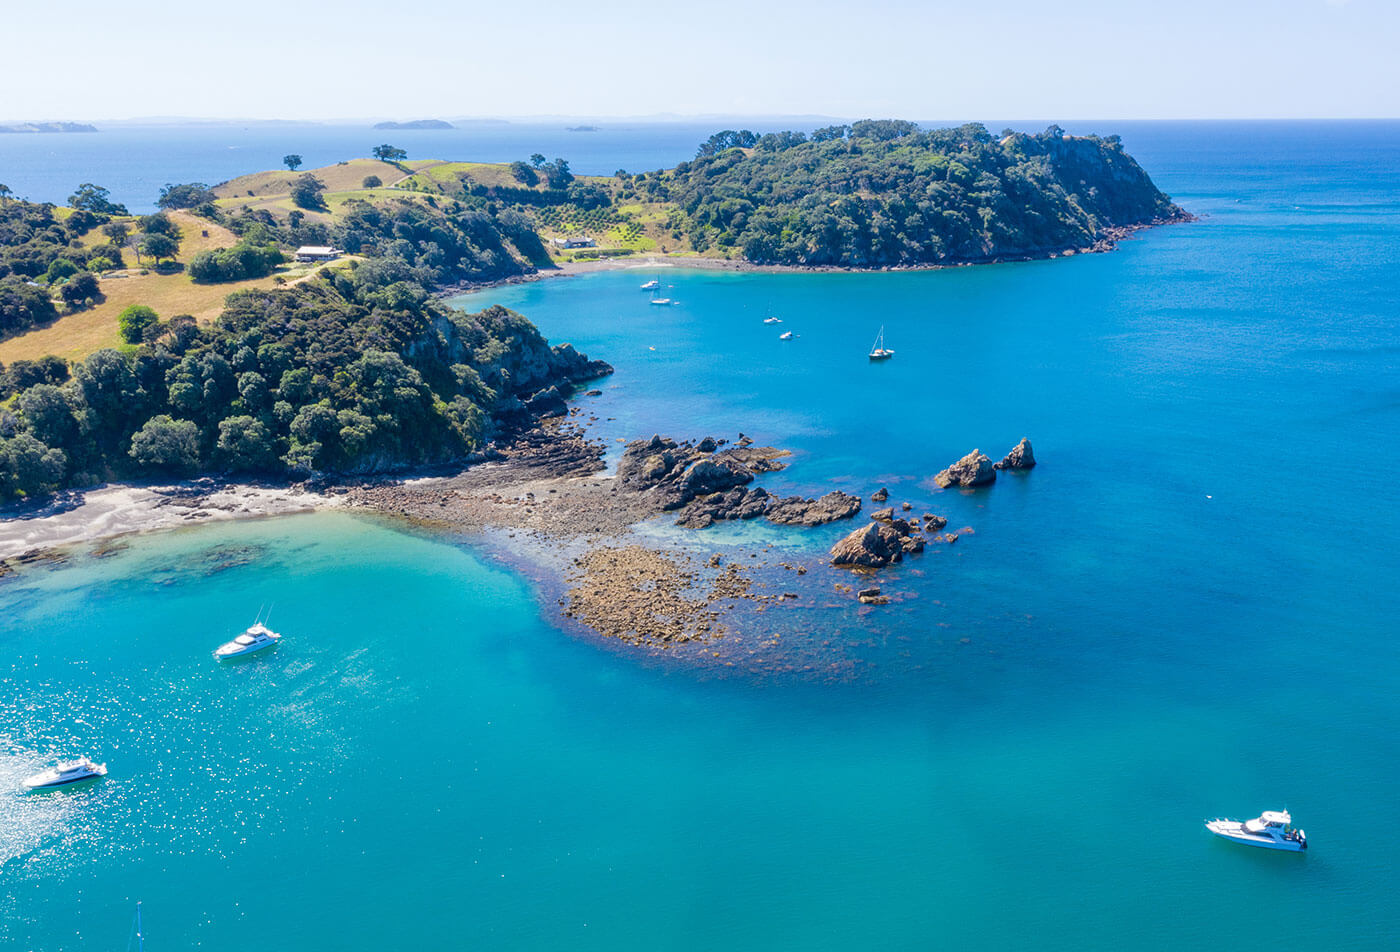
<point>350,366</point>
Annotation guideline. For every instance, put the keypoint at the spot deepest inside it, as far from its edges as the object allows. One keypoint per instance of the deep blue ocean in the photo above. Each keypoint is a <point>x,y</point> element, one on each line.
<point>1188,609</point>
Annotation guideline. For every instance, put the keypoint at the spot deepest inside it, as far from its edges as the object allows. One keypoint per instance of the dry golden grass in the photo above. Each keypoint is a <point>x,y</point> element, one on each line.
<point>338,178</point>
<point>74,336</point>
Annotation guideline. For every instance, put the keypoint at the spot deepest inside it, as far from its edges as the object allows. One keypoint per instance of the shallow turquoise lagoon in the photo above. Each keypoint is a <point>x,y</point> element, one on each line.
<point>1187,609</point>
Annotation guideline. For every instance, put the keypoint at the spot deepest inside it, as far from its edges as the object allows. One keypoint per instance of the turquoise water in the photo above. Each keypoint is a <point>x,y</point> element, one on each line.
<point>1187,609</point>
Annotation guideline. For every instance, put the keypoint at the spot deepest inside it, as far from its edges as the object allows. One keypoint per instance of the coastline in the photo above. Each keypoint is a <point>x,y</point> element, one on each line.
<point>606,563</point>
<point>1107,242</point>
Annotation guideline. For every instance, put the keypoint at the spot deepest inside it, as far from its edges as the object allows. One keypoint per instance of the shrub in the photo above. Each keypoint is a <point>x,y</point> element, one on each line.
<point>133,321</point>
<point>372,181</point>
<point>244,260</point>
<point>61,268</point>
<point>80,289</point>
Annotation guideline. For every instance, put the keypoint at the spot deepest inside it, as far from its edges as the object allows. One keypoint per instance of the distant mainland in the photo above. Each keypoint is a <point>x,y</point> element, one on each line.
<point>31,127</point>
<point>414,124</point>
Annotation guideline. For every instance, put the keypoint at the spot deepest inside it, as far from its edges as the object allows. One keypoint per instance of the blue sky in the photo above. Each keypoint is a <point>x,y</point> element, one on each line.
<point>82,59</point>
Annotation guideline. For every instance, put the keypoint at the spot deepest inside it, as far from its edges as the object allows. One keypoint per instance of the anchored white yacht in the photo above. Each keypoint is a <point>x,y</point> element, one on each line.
<point>878,350</point>
<point>785,335</point>
<point>67,773</point>
<point>255,639</point>
<point>1272,829</point>
<point>652,285</point>
<point>772,320</point>
<point>661,302</point>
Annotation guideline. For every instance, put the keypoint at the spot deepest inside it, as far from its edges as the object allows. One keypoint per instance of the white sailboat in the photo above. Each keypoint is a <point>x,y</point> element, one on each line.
<point>878,350</point>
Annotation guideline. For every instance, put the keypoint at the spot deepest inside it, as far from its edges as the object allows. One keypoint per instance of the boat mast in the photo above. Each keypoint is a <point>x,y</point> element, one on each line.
<point>140,939</point>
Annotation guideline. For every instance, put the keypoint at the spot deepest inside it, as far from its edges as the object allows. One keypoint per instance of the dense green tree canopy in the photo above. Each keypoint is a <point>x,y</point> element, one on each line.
<point>883,193</point>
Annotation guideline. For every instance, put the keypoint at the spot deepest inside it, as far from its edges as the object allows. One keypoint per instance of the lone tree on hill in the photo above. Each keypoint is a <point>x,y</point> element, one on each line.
<point>117,232</point>
<point>159,246</point>
<point>538,160</point>
<point>6,193</point>
<point>188,195</point>
<point>292,161</point>
<point>306,192</point>
<point>95,199</point>
<point>388,153</point>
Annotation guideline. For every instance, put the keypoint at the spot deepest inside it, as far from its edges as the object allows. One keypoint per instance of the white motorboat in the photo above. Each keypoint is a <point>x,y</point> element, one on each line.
<point>257,638</point>
<point>1272,829</point>
<point>661,302</point>
<point>772,320</point>
<point>785,335</point>
<point>878,350</point>
<point>652,285</point>
<point>67,773</point>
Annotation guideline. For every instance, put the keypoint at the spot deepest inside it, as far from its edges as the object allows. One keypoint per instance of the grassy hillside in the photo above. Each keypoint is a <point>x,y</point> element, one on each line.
<point>74,336</point>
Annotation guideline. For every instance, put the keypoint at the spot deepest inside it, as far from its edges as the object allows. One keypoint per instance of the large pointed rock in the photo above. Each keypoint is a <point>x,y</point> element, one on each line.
<point>1020,456</point>
<point>974,469</point>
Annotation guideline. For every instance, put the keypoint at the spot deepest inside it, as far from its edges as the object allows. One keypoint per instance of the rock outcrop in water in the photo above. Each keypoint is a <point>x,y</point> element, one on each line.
<point>796,511</point>
<point>974,469</point>
<point>884,541</point>
<point>1020,456</point>
<point>711,484</point>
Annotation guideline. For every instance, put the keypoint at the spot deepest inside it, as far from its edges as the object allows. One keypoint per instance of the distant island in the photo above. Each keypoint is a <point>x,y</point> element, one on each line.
<point>415,124</point>
<point>31,127</point>
<point>580,128</point>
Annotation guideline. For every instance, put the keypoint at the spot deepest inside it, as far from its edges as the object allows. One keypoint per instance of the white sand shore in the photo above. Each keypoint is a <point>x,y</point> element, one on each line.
<point>85,517</point>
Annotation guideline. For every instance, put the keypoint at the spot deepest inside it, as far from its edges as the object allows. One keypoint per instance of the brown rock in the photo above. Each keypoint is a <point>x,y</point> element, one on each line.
<point>974,469</point>
<point>874,546</point>
<point>1020,456</point>
<point>880,495</point>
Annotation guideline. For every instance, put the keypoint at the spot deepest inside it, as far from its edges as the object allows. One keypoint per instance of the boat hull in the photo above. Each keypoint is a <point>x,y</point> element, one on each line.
<point>36,783</point>
<point>245,653</point>
<point>1234,832</point>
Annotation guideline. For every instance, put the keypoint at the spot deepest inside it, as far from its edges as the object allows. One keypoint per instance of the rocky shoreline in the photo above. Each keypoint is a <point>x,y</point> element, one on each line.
<point>545,494</point>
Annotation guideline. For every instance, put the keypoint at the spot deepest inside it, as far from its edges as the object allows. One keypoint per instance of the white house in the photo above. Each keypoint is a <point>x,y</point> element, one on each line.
<point>318,253</point>
<point>574,242</point>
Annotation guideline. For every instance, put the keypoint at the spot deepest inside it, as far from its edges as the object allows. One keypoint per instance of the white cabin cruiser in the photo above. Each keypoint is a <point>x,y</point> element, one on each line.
<point>785,335</point>
<point>772,320</point>
<point>1272,829</point>
<point>255,639</point>
<point>652,285</point>
<point>67,773</point>
<point>662,302</point>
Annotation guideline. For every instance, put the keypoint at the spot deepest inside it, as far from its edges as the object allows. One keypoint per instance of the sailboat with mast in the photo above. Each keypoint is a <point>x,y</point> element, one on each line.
<point>878,350</point>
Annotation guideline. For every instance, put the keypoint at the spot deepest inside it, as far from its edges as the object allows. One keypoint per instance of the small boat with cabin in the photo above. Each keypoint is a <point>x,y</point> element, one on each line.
<point>1272,830</point>
<point>878,350</point>
<point>66,774</point>
<point>772,320</point>
<point>662,302</point>
<point>257,638</point>
<point>785,335</point>
<point>653,285</point>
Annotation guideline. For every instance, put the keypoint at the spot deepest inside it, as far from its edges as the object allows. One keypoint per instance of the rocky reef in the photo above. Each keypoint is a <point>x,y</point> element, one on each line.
<point>885,540</point>
<point>712,484</point>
